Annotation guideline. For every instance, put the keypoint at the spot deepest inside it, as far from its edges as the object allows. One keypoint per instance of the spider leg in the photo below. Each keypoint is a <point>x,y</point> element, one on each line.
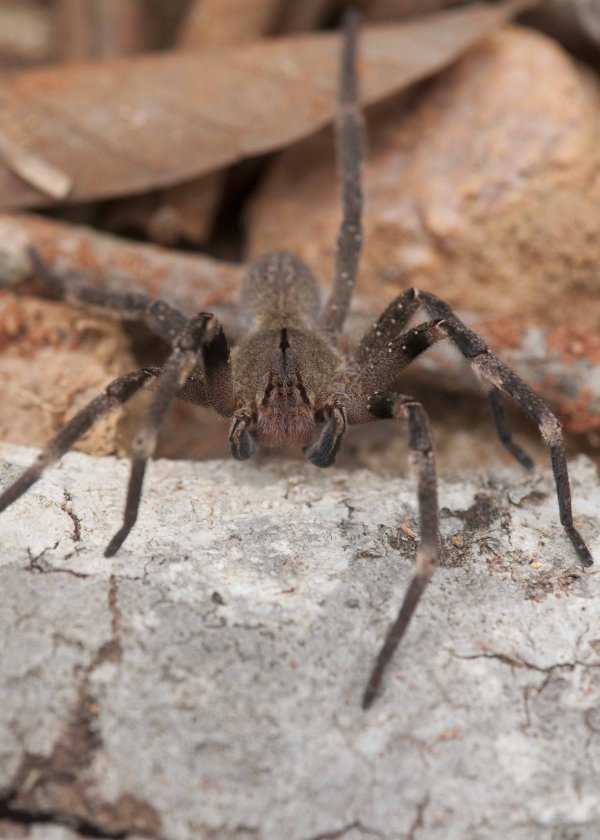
<point>384,332</point>
<point>211,384</point>
<point>386,327</point>
<point>186,354</point>
<point>162,318</point>
<point>503,431</point>
<point>380,363</point>
<point>350,142</point>
<point>324,451</point>
<point>493,370</point>
<point>420,441</point>
<point>116,394</point>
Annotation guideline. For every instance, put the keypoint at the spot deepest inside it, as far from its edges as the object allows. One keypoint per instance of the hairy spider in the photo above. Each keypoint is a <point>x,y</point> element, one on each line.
<point>287,379</point>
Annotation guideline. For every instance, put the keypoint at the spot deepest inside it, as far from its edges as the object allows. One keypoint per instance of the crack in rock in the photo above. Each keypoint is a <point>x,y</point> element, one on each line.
<point>418,823</point>
<point>34,560</point>
<point>341,832</point>
<point>111,651</point>
<point>54,789</point>
<point>65,506</point>
<point>522,663</point>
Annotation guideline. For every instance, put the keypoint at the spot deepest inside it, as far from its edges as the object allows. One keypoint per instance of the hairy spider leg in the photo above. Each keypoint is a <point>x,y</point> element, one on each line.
<point>420,441</point>
<point>504,433</point>
<point>384,334</point>
<point>196,370</point>
<point>115,395</point>
<point>493,370</point>
<point>350,143</point>
<point>160,317</point>
<point>185,356</point>
<point>382,355</point>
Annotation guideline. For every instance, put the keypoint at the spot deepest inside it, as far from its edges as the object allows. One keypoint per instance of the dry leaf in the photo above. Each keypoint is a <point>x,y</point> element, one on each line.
<point>37,172</point>
<point>128,125</point>
<point>394,9</point>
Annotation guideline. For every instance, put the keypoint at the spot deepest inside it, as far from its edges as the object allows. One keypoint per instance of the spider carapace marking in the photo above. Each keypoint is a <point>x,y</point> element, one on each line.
<point>287,381</point>
<point>283,368</point>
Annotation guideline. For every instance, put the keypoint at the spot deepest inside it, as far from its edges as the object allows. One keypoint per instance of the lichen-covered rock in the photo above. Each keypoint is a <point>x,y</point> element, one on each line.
<point>485,190</point>
<point>206,681</point>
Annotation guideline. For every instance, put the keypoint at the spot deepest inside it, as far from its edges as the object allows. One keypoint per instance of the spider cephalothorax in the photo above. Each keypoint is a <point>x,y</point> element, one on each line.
<point>287,382</point>
<point>284,370</point>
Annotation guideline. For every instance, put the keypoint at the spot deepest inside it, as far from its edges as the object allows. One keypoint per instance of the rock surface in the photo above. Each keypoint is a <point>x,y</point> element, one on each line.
<point>206,682</point>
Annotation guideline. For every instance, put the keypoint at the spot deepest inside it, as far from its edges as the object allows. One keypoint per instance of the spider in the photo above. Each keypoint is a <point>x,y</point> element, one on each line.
<point>289,380</point>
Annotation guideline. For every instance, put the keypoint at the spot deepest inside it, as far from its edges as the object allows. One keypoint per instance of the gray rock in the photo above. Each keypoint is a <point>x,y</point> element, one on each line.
<point>206,682</point>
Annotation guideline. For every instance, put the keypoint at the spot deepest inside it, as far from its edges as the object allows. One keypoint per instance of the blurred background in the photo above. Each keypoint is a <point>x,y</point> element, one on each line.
<point>482,184</point>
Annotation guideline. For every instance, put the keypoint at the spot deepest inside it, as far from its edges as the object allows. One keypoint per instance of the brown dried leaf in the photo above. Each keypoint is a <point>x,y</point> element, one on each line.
<point>34,170</point>
<point>394,9</point>
<point>127,125</point>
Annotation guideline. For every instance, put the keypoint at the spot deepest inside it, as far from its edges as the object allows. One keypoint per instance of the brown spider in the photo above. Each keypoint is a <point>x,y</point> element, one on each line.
<point>286,379</point>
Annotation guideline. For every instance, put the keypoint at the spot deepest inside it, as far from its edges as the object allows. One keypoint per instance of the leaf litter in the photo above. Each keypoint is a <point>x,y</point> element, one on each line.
<point>123,126</point>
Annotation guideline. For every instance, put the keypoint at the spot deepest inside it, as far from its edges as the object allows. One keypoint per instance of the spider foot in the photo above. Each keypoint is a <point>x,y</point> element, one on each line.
<point>370,693</point>
<point>116,542</point>
<point>579,545</point>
